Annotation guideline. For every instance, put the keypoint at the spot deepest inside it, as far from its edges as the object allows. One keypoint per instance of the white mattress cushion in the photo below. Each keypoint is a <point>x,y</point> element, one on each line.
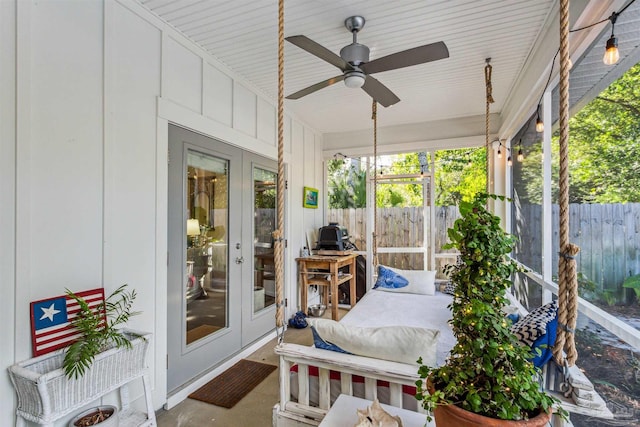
<point>379,308</point>
<point>396,343</point>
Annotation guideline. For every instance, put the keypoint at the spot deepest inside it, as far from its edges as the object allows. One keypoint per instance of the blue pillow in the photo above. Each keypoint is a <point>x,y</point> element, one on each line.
<point>318,342</point>
<point>545,344</point>
<point>514,317</point>
<point>389,279</point>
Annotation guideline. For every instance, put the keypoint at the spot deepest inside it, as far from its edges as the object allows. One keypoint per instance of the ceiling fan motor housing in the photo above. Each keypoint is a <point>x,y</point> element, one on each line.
<point>355,53</point>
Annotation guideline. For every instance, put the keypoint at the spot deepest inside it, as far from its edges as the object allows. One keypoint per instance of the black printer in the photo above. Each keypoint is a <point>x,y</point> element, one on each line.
<point>333,237</point>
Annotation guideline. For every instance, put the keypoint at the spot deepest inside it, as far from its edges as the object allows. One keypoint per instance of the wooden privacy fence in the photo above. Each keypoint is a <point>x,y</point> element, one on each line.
<point>398,227</point>
<point>608,235</point>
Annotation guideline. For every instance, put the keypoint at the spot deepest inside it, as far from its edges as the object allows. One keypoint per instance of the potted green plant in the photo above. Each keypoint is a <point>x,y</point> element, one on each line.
<point>488,377</point>
<point>99,329</point>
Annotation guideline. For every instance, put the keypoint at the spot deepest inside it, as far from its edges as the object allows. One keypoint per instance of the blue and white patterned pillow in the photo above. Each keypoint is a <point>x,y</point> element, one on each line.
<point>389,279</point>
<point>529,328</point>
<point>449,288</point>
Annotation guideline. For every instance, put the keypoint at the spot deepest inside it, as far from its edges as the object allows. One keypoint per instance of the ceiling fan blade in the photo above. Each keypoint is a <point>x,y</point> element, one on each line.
<point>304,42</point>
<point>316,87</point>
<point>407,58</point>
<point>379,92</point>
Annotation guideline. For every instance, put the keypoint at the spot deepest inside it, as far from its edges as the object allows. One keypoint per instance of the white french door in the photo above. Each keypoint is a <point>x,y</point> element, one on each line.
<point>221,284</point>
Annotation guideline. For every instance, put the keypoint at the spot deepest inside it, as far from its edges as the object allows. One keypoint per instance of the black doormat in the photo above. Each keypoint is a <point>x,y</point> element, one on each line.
<point>232,385</point>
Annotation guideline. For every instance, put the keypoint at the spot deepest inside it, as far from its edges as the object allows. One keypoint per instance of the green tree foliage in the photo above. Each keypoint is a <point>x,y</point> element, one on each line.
<point>604,145</point>
<point>459,175</point>
<point>390,195</point>
<point>347,184</point>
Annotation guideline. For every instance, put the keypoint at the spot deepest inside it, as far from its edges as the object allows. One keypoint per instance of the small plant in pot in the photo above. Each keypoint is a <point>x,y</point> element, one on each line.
<point>488,376</point>
<point>103,416</point>
<point>99,329</point>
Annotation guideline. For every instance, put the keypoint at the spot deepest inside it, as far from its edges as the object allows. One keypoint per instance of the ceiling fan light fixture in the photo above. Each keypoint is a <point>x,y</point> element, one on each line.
<point>354,79</point>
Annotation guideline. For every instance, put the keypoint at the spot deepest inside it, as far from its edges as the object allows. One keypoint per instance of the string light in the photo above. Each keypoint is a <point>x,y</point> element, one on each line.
<point>539,123</point>
<point>520,157</point>
<point>611,53</point>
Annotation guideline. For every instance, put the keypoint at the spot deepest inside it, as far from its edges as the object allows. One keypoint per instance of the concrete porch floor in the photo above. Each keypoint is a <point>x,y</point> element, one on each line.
<point>254,410</point>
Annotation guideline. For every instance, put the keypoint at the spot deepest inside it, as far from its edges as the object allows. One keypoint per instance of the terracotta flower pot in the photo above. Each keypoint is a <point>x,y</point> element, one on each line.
<point>453,416</point>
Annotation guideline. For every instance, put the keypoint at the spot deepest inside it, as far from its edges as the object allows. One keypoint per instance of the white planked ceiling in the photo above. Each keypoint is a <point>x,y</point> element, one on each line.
<point>242,34</point>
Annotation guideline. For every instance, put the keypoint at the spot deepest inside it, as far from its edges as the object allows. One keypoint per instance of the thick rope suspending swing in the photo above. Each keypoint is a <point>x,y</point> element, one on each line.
<point>567,280</point>
<point>278,234</point>
<point>374,234</point>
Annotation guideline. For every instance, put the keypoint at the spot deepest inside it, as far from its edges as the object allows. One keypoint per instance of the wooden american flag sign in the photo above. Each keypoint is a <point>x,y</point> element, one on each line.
<point>50,320</point>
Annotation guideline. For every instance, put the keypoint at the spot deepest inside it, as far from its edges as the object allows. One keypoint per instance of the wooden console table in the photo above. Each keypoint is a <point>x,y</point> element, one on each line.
<point>325,271</point>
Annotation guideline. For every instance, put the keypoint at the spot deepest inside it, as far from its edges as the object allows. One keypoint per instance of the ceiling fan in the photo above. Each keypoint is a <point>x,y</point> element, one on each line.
<point>356,67</point>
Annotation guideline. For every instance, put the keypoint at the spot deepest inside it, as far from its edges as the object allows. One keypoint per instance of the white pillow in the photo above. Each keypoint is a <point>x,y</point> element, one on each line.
<point>420,282</point>
<point>403,344</point>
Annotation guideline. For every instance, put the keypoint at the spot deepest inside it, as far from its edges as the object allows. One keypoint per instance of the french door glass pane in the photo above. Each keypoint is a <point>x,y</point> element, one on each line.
<point>206,245</point>
<point>264,199</point>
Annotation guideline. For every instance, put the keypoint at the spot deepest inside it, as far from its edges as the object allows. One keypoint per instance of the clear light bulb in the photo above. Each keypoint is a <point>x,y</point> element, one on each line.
<point>611,54</point>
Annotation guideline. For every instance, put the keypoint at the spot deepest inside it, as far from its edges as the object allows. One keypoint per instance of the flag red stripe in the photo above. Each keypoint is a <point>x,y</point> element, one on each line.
<point>68,334</point>
<point>63,342</point>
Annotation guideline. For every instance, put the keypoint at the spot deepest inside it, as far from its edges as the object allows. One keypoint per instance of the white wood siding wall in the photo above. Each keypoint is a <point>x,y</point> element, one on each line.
<point>7,203</point>
<point>87,89</point>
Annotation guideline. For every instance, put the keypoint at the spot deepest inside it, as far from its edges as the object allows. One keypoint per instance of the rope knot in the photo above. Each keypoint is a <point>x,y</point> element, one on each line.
<point>570,251</point>
<point>487,80</point>
<point>566,328</point>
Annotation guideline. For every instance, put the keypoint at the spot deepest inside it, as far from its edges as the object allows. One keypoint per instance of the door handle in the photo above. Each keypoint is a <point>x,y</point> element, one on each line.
<point>239,260</point>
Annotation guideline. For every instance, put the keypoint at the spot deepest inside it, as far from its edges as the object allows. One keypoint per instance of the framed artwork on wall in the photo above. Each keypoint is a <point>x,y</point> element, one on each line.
<point>310,198</point>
